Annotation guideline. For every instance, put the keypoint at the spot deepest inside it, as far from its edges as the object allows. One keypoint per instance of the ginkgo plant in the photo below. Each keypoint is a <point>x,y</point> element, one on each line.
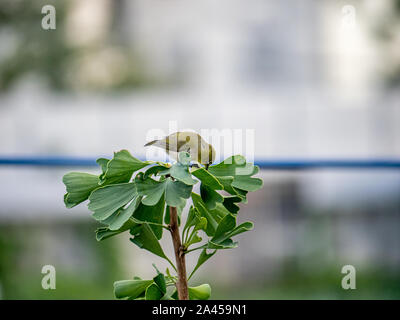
<point>146,198</point>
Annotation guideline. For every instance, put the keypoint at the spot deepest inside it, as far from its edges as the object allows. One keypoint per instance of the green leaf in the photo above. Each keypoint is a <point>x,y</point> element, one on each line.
<point>176,192</point>
<point>207,179</point>
<point>195,219</point>
<point>226,244</point>
<point>108,199</point>
<point>245,226</point>
<point>195,238</point>
<point>231,166</point>
<point>130,288</point>
<point>153,292</point>
<point>121,167</point>
<point>203,257</point>
<point>213,216</point>
<point>226,229</point>
<point>227,186</point>
<point>229,203</point>
<point>104,233</point>
<point>227,224</point>
<point>241,172</point>
<point>180,169</point>
<point>152,214</point>
<point>79,186</point>
<point>145,238</point>
<point>202,292</point>
<point>152,191</point>
<point>210,197</point>
<point>192,218</point>
<point>159,280</point>
<point>102,162</point>
<point>246,182</point>
<point>119,217</point>
<point>154,170</point>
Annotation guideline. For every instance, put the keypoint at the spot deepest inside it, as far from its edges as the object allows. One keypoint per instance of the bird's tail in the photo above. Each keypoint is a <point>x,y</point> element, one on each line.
<point>150,143</point>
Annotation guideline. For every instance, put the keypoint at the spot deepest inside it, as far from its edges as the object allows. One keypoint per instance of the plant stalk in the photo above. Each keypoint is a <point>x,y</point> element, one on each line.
<point>181,285</point>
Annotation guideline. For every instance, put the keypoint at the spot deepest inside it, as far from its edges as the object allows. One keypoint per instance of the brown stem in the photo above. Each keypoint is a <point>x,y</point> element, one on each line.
<point>181,285</point>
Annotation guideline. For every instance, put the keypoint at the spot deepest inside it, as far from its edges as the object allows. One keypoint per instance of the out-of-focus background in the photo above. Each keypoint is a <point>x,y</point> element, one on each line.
<point>312,78</point>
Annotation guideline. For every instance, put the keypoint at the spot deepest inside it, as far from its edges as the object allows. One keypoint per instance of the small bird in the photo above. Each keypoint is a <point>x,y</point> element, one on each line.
<point>191,142</point>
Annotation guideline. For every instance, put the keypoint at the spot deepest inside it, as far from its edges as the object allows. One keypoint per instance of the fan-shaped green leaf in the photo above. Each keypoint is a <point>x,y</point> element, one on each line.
<point>145,238</point>
<point>213,216</point>
<point>121,167</point>
<point>181,173</point>
<point>119,217</point>
<point>153,292</point>
<point>207,179</point>
<point>176,191</point>
<point>79,186</point>
<point>152,191</point>
<point>210,196</point>
<point>203,257</point>
<point>104,233</point>
<point>154,170</point>
<point>130,288</point>
<point>202,292</point>
<point>230,203</point>
<point>108,199</point>
<point>153,215</point>
<point>159,280</point>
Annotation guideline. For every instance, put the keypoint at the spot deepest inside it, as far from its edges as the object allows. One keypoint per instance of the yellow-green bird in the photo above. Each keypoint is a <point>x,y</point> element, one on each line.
<point>191,142</point>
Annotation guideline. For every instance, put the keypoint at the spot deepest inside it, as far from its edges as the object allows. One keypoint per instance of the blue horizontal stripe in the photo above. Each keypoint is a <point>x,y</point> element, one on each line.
<point>283,164</point>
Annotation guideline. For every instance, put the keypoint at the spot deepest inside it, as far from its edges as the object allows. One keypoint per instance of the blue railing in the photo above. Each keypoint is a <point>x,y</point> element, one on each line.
<point>283,164</point>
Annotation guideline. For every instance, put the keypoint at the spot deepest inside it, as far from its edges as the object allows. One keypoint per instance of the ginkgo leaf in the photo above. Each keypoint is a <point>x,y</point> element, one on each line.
<point>151,214</point>
<point>130,288</point>
<point>227,229</point>
<point>106,200</point>
<point>181,173</point>
<point>105,232</point>
<point>202,292</point>
<point>210,197</point>
<point>213,216</point>
<point>230,203</point>
<point>203,257</point>
<point>246,182</point>
<point>153,292</point>
<point>159,280</point>
<point>145,238</point>
<point>152,191</point>
<point>121,167</point>
<point>207,179</point>
<point>79,186</point>
<point>154,170</point>
<point>119,217</point>
<point>241,173</point>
